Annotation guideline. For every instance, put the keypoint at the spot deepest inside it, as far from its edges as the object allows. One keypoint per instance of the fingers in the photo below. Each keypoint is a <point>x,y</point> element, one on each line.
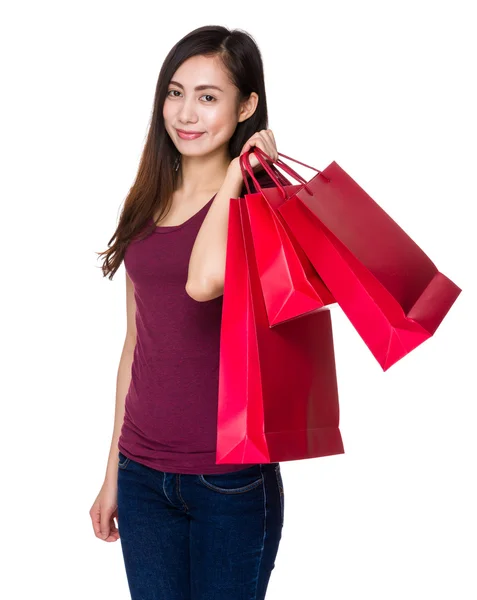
<point>96,519</point>
<point>103,525</point>
<point>271,145</point>
<point>114,530</point>
<point>265,140</point>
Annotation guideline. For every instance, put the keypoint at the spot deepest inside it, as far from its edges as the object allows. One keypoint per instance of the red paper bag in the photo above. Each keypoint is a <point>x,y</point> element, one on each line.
<point>388,287</point>
<point>278,395</point>
<point>290,285</point>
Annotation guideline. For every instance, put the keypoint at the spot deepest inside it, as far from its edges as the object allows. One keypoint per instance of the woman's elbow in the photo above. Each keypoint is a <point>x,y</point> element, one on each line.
<point>203,293</point>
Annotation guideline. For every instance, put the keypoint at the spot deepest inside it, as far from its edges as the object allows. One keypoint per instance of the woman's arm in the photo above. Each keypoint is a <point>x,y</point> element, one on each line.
<point>123,380</point>
<point>206,274</point>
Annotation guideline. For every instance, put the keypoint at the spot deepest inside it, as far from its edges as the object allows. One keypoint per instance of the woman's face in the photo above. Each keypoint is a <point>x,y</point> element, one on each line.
<point>214,111</point>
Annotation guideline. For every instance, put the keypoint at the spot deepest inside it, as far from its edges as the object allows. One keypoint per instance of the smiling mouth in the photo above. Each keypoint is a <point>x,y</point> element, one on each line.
<point>187,135</point>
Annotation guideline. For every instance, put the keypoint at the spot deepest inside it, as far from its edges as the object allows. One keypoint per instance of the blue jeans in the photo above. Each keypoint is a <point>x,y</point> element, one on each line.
<point>199,537</point>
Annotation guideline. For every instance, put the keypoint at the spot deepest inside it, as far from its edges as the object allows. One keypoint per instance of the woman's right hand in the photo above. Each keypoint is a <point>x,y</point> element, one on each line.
<point>104,511</point>
<point>265,140</point>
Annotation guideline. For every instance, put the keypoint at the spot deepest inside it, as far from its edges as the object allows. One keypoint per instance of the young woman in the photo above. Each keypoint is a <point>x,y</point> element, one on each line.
<point>189,528</point>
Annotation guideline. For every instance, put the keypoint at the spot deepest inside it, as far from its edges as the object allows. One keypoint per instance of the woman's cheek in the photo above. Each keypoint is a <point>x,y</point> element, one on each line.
<point>222,124</point>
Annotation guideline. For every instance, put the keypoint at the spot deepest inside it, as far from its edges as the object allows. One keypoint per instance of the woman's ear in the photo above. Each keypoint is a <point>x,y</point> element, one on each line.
<point>247,107</point>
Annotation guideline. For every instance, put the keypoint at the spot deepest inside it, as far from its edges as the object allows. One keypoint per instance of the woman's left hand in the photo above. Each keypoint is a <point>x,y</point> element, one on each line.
<point>265,140</point>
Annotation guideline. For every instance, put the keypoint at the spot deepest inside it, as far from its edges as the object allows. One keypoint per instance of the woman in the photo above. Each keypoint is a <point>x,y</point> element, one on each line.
<point>189,528</point>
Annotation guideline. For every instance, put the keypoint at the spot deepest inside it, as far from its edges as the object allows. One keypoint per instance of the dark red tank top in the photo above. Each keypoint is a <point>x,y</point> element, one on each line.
<point>170,420</point>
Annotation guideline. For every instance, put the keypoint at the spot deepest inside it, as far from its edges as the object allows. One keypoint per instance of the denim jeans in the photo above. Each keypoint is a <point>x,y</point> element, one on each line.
<point>199,537</point>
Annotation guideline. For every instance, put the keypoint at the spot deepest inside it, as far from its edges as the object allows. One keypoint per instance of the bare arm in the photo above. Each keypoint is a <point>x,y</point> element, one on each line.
<point>123,380</point>
<point>206,274</point>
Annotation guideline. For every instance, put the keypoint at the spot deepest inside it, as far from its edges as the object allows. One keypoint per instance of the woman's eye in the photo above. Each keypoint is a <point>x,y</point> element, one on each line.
<point>171,94</point>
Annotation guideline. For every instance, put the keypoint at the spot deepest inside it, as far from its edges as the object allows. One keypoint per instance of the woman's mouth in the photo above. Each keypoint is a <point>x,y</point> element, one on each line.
<point>185,135</point>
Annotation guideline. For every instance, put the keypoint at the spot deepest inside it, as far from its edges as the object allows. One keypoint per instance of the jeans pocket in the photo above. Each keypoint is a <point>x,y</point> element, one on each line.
<point>123,460</point>
<point>236,482</point>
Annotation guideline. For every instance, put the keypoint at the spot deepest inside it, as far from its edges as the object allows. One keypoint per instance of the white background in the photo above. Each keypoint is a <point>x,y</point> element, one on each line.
<point>386,89</point>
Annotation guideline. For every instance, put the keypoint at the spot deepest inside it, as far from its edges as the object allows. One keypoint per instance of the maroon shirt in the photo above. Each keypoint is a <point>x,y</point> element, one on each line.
<point>170,420</point>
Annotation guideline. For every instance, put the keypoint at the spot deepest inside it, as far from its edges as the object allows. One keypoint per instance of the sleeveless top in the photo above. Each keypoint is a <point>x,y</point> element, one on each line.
<point>170,420</point>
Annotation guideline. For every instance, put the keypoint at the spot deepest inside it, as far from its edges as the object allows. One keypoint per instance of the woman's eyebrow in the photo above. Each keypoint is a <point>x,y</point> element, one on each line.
<point>199,87</point>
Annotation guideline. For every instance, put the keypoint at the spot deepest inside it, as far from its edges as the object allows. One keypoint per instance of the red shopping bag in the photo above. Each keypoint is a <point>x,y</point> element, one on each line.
<point>391,291</point>
<point>290,285</point>
<point>278,395</point>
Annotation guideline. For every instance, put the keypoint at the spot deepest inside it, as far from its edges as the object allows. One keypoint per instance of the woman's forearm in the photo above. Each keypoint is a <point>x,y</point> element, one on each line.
<point>123,381</point>
<point>206,274</point>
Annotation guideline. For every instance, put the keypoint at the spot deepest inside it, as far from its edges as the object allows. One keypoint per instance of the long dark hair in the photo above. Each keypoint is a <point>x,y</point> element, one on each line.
<point>156,178</point>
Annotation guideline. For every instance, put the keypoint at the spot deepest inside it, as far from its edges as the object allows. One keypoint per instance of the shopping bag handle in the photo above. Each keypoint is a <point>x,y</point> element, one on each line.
<point>278,161</point>
<point>245,161</point>
<point>261,154</point>
<point>283,165</point>
<point>244,176</point>
<point>247,168</point>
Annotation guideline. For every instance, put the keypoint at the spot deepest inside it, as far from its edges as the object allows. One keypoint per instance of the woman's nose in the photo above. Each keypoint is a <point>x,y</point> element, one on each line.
<point>187,112</point>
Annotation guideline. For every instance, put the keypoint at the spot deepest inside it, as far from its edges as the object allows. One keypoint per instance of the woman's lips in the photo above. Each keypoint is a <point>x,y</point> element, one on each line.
<point>188,136</point>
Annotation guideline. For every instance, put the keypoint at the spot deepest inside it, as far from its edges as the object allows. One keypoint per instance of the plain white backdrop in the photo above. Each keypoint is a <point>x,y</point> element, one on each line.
<point>386,89</point>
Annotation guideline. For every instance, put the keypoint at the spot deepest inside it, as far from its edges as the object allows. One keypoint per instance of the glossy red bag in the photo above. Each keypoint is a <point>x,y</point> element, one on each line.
<point>390,290</point>
<point>278,394</point>
<point>290,285</point>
